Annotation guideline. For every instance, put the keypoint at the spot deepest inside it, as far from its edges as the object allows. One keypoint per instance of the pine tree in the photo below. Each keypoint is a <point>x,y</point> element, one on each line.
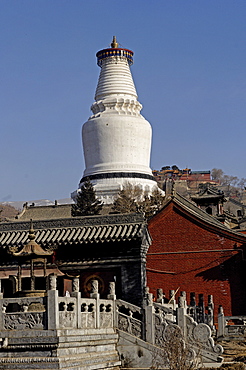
<point>86,202</point>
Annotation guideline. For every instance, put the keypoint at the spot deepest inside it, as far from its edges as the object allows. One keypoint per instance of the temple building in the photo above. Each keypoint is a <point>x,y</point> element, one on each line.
<point>186,247</point>
<point>88,291</point>
<point>193,251</point>
<point>116,138</point>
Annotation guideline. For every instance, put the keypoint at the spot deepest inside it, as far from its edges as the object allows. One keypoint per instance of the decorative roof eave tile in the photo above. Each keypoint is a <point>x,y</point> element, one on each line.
<point>79,230</point>
<point>114,219</point>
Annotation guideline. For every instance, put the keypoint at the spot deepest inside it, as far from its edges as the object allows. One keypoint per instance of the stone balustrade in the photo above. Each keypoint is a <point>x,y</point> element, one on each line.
<point>156,320</point>
<point>150,323</point>
<point>200,312</point>
<point>130,319</point>
<point>54,312</point>
<point>73,311</point>
<point>231,327</point>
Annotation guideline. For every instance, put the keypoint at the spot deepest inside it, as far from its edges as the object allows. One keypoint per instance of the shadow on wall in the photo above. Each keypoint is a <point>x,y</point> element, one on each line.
<point>232,271</point>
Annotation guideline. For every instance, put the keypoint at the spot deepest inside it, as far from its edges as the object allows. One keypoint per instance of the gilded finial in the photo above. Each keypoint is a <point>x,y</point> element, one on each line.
<point>31,232</point>
<point>114,43</point>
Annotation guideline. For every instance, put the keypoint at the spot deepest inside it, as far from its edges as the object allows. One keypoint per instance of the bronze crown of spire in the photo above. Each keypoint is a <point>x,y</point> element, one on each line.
<point>114,43</point>
<point>114,51</point>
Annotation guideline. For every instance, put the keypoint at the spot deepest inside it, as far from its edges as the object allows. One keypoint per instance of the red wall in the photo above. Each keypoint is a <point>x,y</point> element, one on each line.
<point>209,272</point>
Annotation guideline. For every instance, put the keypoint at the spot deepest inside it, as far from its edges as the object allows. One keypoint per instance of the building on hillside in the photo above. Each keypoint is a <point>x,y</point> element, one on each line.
<point>212,199</point>
<point>209,199</point>
<point>192,179</point>
<point>237,209</point>
<point>186,182</point>
<point>194,252</point>
<point>116,138</point>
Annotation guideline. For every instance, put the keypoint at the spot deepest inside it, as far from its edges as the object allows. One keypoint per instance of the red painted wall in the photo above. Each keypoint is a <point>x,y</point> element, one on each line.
<point>215,267</point>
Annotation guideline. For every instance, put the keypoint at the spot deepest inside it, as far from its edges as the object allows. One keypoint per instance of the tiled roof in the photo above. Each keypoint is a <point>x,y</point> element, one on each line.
<point>191,208</point>
<point>45,212</point>
<point>77,230</point>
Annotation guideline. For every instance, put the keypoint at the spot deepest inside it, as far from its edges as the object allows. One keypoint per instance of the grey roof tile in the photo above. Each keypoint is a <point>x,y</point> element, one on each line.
<point>76,230</point>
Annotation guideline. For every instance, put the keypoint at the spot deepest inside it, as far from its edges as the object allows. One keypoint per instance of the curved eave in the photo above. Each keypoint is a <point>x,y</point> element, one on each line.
<point>205,198</point>
<point>92,231</point>
<point>202,218</point>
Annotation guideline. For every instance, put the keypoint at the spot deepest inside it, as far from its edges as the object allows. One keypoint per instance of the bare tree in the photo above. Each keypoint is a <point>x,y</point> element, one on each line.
<point>242,183</point>
<point>128,199</point>
<point>132,199</point>
<point>217,174</point>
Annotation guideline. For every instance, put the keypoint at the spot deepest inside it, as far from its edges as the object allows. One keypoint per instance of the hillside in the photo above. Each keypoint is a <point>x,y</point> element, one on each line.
<point>7,211</point>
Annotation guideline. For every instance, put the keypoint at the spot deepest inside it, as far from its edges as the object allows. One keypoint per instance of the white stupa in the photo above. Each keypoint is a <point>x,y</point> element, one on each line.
<point>116,138</point>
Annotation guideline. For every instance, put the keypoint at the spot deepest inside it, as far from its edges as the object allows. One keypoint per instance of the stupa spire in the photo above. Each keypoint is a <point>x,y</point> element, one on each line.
<point>115,76</point>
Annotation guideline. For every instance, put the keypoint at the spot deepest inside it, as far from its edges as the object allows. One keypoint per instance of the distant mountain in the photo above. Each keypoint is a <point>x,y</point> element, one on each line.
<point>7,211</point>
<point>41,202</point>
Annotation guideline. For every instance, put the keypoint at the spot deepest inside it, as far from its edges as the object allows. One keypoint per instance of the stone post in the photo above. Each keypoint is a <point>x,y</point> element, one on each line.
<point>111,295</point>
<point>201,309</point>
<point>94,289</point>
<point>149,319</point>
<point>76,293</point>
<point>160,296</point>
<point>111,292</point>
<point>221,323</point>
<point>210,315</point>
<point>172,298</point>
<point>52,303</point>
<point>183,297</point>
<point>193,311</point>
<point>94,294</point>
<point>146,292</point>
<point>181,313</point>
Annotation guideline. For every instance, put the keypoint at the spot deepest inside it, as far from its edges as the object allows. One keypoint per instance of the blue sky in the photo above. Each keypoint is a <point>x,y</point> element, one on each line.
<point>189,70</point>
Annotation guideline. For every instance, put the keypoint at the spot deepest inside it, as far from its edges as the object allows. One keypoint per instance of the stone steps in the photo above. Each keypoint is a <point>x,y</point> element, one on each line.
<point>71,352</point>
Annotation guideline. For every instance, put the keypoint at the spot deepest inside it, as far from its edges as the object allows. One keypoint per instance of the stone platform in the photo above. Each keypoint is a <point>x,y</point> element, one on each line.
<point>59,349</point>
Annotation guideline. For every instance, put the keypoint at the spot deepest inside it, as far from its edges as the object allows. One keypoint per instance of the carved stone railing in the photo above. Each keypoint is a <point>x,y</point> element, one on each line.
<point>161,319</point>
<point>156,320</point>
<point>67,312</point>
<point>106,313</point>
<point>163,316</point>
<point>152,323</point>
<point>200,312</point>
<point>231,327</point>
<point>54,312</point>
<point>23,313</point>
<point>129,318</point>
<point>88,313</point>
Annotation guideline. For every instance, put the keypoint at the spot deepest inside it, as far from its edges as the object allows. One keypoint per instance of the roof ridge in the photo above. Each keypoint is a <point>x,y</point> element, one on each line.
<point>204,215</point>
<point>96,220</point>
